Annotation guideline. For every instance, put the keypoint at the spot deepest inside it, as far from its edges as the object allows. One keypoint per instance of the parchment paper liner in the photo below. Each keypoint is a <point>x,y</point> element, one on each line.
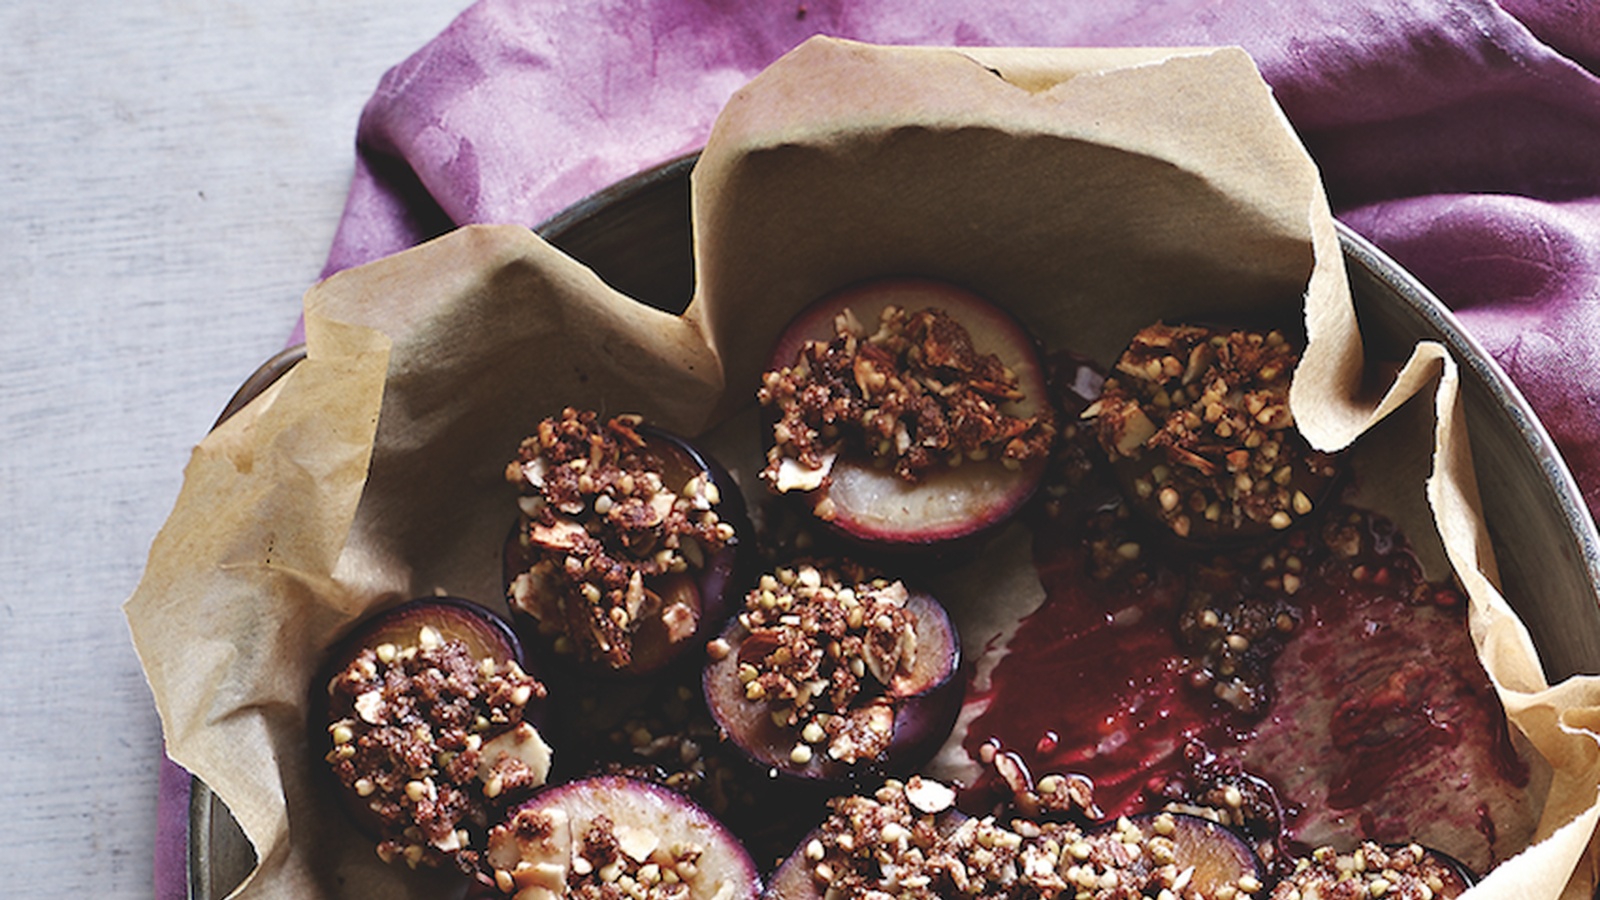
<point>1089,191</point>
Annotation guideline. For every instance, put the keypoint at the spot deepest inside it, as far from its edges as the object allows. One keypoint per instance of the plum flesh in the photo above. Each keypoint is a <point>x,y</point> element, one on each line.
<point>658,531</point>
<point>899,472</point>
<point>850,708</point>
<point>595,832</point>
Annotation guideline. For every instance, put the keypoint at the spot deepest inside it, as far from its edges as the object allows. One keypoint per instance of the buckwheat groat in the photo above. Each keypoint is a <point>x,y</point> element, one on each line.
<point>429,731</point>
<point>626,544</point>
<point>907,412</point>
<point>830,669</point>
<point>1197,423</point>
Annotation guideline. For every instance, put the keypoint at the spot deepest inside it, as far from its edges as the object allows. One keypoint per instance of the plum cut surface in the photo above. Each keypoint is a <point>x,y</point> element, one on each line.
<point>657,567</point>
<point>910,705</point>
<point>573,839</point>
<point>870,499</point>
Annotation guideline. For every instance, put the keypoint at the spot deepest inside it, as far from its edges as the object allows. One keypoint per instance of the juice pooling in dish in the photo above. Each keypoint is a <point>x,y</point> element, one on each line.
<point>628,540</point>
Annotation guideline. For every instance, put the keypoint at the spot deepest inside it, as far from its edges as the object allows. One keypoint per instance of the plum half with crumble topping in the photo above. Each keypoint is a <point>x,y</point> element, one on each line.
<point>908,839</point>
<point>612,836</point>
<point>428,728</point>
<point>907,412</point>
<point>627,544</point>
<point>830,671</point>
<point>1197,425</point>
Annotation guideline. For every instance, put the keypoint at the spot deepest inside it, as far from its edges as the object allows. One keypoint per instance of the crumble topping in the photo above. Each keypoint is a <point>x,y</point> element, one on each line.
<point>897,844</point>
<point>1369,872</point>
<point>671,740</point>
<point>1211,410</point>
<point>430,738</point>
<point>913,394</point>
<point>536,857</point>
<point>602,529</point>
<point>1055,795</point>
<point>1242,608</point>
<point>825,644</point>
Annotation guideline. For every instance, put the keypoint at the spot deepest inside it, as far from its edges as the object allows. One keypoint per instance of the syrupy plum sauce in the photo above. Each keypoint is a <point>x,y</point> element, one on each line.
<point>1357,678</point>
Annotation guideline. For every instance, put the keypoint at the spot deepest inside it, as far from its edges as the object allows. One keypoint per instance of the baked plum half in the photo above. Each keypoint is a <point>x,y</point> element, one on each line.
<point>627,544</point>
<point>1197,425</point>
<point>918,812</point>
<point>830,671</point>
<point>908,413</point>
<point>427,728</point>
<point>909,835</point>
<point>587,838</point>
<point>1188,855</point>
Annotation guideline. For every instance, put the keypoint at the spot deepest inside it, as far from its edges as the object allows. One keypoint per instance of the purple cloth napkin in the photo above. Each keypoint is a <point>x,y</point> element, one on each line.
<point>1461,136</point>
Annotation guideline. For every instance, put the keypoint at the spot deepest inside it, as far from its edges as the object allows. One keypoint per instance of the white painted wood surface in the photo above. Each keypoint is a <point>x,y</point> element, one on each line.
<point>171,172</point>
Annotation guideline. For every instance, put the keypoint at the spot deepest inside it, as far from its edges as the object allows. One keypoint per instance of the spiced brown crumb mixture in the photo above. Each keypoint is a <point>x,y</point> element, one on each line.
<point>606,862</point>
<point>897,843</point>
<point>1240,608</point>
<point>1211,409</point>
<point>825,643</point>
<point>601,523</point>
<point>1369,872</point>
<point>914,394</point>
<point>429,738</point>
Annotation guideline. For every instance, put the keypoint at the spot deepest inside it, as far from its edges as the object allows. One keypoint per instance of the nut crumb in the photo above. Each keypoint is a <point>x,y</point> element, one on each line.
<point>1372,870</point>
<point>1206,413</point>
<point>608,861</point>
<point>914,394</point>
<point>884,845</point>
<point>608,535</point>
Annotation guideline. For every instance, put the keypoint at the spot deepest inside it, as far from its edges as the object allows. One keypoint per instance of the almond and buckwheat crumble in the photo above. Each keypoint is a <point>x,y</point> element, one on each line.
<point>906,841</point>
<point>608,861</point>
<point>914,394</point>
<point>1207,414</point>
<point>825,643</point>
<point>603,531</point>
<point>429,739</point>
<point>1369,872</point>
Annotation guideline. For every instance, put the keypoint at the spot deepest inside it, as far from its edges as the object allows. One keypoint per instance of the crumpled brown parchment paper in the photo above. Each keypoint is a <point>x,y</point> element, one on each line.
<point>1089,191</point>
